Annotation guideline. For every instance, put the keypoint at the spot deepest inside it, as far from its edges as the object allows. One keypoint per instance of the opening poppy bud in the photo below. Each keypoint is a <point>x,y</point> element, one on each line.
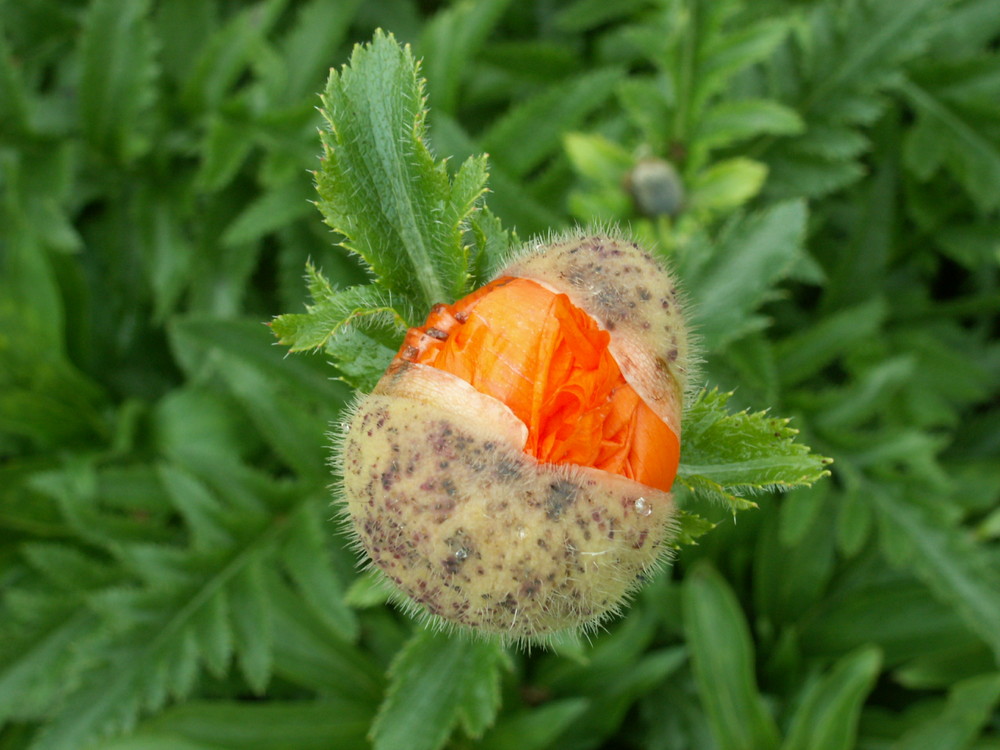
<point>511,470</point>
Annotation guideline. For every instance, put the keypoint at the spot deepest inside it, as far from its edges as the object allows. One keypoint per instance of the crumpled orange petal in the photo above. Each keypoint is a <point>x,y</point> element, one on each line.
<point>548,361</point>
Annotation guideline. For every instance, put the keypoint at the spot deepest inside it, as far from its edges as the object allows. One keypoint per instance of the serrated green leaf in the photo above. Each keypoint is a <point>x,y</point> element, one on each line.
<point>970,705</point>
<point>827,717</point>
<point>381,188</point>
<point>725,455</point>
<point>437,679</point>
<point>368,308</point>
<point>690,526</point>
<point>508,199</point>
<point>117,76</point>
<point>722,657</point>
<point>490,244</point>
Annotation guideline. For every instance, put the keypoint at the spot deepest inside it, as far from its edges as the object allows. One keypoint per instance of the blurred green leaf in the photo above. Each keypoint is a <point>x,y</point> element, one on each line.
<point>530,132</point>
<point>534,729</point>
<point>956,571</point>
<point>303,725</point>
<point>723,658</point>
<point>116,80</point>
<point>964,140</point>
<point>450,39</point>
<point>736,273</point>
<point>971,703</point>
<point>437,681</point>
<point>827,717</point>
<point>726,185</point>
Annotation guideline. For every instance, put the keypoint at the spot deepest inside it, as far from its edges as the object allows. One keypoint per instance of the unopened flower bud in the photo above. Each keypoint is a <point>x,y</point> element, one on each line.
<point>511,470</point>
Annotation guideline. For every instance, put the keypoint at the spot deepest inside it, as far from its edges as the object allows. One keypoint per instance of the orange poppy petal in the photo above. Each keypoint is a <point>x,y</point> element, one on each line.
<point>549,362</point>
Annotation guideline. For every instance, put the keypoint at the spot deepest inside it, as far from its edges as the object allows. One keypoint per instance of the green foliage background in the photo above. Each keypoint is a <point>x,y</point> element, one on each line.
<point>170,576</point>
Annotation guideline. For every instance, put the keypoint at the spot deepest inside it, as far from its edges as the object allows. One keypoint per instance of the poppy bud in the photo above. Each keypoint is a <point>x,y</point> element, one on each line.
<point>511,470</point>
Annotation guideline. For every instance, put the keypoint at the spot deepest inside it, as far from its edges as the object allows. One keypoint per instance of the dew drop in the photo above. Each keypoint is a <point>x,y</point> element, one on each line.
<point>461,553</point>
<point>522,533</point>
<point>642,507</point>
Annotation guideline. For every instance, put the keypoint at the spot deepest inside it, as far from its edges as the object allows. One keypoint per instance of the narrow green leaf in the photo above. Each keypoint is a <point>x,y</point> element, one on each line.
<point>309,653</point>
<point>806,353</point>
<point>532,131</point>
<point>598,158</point>
<point>228,54</point>
<point>253,625</point>
<point>381,188</point>
<point>971,704</point>
<point>308,561</point>
<point>225,147</point>
<point>214,636</point>
<point>827,717</point>
<point>308,47</point>
<point>738,273</point>
<point>14,102</point>
<point>946,136</point>
<point>535,729</point>
<point>270,212</point>
<point>370,589</point>
<point>201,509</point>
<point>955,570</point>
<point>724,455</point>
<point>435,680</point>
<point>728,54</point>
<point>732,121</point>
<point>874,34</point>
<point>450,41</point>
<point>726,185</point>
<point>274,725</point>
<point>198,339</point>
<point>117,76</point>
<point>722,656</point>
<point>41,658</point>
